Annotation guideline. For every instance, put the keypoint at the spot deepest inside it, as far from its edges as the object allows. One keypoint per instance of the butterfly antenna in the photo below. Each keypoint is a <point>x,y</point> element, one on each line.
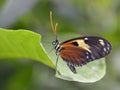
<point>54,27</point>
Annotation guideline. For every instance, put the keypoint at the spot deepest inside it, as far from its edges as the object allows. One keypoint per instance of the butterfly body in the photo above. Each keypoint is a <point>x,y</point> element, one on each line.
<point>81,50</point>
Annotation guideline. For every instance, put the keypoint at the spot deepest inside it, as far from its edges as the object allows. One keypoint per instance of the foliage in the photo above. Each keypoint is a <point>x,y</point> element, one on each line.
<point>75,18</point>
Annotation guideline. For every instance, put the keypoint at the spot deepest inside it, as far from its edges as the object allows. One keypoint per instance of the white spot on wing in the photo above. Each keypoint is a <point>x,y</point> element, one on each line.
<point>105,49</point>
<point>86,38</point>
<point>101,42</point>
<point>87,57</point>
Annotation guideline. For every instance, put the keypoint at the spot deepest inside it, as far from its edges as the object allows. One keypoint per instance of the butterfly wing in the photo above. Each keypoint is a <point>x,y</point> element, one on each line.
<point>79,51</point>
<point>74,56</point>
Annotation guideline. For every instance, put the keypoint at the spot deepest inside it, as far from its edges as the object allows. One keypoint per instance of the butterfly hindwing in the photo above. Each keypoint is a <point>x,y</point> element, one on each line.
<point>74,56</point>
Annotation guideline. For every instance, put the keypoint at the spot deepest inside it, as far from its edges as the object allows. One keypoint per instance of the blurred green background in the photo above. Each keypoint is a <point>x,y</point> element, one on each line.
<point>84,17</point>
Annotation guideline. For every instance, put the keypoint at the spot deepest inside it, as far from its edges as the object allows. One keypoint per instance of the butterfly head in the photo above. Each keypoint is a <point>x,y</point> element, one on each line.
<point>55,42</point>
<point>56,45</point>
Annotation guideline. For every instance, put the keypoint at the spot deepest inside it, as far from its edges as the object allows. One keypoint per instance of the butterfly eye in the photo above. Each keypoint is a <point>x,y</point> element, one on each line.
<point>54,42</point>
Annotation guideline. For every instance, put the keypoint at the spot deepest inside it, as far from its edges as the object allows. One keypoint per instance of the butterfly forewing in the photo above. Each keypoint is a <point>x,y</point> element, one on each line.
<point>81,50</point>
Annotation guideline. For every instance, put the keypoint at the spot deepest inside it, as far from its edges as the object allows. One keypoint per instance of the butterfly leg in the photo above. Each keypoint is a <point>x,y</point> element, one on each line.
<point>72,68</point>
<point>57,72</point>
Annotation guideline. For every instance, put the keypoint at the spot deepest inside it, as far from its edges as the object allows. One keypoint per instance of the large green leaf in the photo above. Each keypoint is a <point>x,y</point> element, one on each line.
<point>27,44</point>
<point>22,44</point>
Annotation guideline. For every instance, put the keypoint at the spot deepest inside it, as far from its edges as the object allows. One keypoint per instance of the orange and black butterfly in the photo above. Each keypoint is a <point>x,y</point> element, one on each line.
<point>81,50</point>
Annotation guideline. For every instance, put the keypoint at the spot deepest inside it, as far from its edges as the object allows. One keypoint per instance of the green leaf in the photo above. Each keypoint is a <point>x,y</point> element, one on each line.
<point>22,44</point>
<point>91,72</point>
<point>27,44</point>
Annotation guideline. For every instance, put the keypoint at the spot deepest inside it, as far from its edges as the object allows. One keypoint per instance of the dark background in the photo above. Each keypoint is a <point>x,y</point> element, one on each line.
<point>84,17</point>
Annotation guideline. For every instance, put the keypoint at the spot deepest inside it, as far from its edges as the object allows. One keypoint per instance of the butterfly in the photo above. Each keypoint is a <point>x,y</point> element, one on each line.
<point>81,50</point>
